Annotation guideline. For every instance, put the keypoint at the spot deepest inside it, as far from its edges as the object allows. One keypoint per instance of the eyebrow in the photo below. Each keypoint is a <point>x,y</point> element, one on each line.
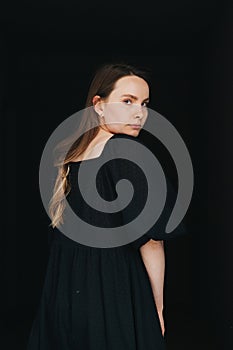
<point>134,97</point>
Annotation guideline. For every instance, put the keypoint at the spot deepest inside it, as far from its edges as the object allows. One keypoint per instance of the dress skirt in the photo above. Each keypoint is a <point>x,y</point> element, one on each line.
<point>95,299</point>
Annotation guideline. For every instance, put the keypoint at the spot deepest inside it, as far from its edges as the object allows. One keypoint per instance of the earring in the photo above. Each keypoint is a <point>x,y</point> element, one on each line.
<point>101,115</point>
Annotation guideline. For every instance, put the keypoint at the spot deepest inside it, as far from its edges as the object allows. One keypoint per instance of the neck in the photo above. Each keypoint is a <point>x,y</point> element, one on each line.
<point>103,131</point>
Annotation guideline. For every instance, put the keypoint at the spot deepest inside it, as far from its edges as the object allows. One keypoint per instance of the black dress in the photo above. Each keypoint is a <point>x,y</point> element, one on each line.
<point>99,298</point>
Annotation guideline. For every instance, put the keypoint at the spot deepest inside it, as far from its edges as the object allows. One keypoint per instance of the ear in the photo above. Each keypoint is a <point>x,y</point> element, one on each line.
<point>98,105</point>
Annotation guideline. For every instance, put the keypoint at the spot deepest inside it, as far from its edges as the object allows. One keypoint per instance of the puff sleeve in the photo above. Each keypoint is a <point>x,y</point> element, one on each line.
<point>121,168</point>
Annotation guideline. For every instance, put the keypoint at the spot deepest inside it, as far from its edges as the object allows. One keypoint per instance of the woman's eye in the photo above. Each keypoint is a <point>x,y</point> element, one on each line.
<point>128,102</point>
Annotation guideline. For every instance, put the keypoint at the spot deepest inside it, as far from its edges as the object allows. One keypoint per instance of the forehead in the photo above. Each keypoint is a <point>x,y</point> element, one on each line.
<point>131,85</point>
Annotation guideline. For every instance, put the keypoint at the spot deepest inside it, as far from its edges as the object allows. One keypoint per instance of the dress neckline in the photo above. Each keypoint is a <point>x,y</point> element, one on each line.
<point>88,159</point>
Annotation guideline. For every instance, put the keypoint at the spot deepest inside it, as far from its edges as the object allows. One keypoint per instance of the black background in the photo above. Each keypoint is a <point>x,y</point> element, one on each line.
<point>49,50</point>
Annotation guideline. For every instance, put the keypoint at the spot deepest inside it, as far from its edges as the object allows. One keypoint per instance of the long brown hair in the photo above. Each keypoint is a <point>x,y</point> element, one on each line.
<point>102,84</point>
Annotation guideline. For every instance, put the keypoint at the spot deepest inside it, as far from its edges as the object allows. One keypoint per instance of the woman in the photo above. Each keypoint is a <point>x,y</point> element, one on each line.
<point>103,298</point>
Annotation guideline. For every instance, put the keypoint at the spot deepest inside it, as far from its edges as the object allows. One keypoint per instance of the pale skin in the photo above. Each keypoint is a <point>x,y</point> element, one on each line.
<point>126,105</point>
<point>153,257</point>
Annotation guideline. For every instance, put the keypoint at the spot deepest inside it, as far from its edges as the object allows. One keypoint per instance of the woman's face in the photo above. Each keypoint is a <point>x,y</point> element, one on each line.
<point>126,106</point>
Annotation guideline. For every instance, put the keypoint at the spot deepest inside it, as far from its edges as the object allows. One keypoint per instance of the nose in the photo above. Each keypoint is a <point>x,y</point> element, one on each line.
<point>139,112</point>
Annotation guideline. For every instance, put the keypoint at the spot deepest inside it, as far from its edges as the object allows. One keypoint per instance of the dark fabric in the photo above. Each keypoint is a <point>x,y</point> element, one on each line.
<point>99,298</point>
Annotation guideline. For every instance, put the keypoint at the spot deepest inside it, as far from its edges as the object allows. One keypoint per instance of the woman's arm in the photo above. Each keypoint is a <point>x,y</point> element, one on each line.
<point>153,257</point>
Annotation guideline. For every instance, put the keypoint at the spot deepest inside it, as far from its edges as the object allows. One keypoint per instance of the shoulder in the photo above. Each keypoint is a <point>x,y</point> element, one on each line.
<point>125,143</point>
<point>125,156</point>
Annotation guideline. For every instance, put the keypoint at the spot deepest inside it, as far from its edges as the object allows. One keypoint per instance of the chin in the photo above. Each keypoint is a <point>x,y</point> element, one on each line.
<point>130,132</point>
<point>136,131</point>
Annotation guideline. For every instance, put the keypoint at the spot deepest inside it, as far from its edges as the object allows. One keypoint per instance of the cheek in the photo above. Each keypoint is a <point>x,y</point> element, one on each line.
<point>117,113</point>
<point>145,114</point>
